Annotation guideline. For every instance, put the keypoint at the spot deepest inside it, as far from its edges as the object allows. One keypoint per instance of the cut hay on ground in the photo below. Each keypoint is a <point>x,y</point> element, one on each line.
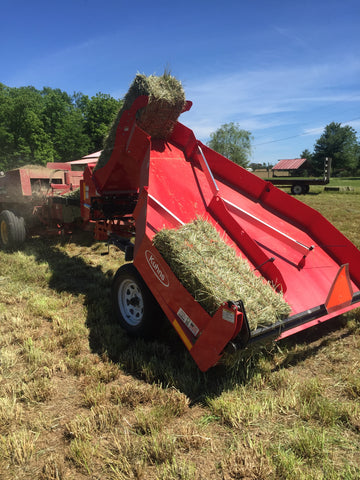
<point>212,272</point>
<point>166,102</point>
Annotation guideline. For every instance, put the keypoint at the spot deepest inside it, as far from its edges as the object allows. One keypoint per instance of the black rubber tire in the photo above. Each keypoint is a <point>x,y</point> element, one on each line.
<point>12,230</point>
<point>134,305</point>
<point>297,189</point>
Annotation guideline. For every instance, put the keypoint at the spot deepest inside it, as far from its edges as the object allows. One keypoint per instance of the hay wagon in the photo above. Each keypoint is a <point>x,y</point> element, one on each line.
<point>302,185</point>
<point>148,185</point>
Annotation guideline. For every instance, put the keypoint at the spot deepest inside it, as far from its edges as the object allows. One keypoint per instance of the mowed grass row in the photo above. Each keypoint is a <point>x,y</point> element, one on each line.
<point>80,400</point>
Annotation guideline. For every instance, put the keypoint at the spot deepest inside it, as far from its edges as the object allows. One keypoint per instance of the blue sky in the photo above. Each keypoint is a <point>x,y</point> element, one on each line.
<point>280,69</point>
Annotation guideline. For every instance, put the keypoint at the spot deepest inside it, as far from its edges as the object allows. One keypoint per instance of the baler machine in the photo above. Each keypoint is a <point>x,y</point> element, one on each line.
<point>148,185</point>
<point>33,200</point>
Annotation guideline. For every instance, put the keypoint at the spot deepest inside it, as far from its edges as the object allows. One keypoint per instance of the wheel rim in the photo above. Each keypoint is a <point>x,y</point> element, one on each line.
<point>131,302</point>
<point>4,233</point>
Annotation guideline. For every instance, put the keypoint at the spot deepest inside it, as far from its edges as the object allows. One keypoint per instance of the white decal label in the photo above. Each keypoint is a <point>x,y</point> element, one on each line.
<point>228,315</point>
<point>188,322</point>
<point>155,267</point>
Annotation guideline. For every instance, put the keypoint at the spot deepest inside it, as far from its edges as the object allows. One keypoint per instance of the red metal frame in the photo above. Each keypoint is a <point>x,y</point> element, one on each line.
<point>284,241</point>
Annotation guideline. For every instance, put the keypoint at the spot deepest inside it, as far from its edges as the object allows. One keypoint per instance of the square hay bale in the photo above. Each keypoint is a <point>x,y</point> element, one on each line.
<point>157,119</point>
<point>212,272</point>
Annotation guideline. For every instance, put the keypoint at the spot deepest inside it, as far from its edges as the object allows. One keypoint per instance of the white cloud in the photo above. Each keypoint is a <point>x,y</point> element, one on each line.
<point>354,124</point>
<point>278,97</point>
<point>320,130</point>
<point>289,34</point>
<point>314,131</point>
<point>346,98</point>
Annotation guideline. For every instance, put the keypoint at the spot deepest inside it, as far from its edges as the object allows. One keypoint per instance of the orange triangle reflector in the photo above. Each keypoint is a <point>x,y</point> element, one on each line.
<point>341,292</point>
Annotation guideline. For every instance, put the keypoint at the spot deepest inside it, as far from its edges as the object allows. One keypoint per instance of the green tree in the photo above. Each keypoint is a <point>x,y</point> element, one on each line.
<point>99,113</point>
<point>23,138</point>
<point>50,125</point>
<point>36,145</point>
<point>339,143</point>
<point>65,124</point>
<point>70,139</point>
<point>309,168</point>
<point>306,154</point>
<point>232,142</point>
<point>256,165</point>
<point>56,105</point>
<point>6,136</point>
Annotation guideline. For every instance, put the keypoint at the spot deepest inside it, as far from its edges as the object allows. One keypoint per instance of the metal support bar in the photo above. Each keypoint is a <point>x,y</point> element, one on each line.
<point>300,247</point>
<point>208,173</point>
<point>166,210</point>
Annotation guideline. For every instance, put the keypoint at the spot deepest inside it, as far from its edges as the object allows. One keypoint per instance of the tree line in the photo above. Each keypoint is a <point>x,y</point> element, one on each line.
<point>49,125</point>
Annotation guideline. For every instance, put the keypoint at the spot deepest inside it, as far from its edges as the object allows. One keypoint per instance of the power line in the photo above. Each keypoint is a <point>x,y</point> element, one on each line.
<point>352,120</point>
<point>298,135</point>
<point>280,139</point>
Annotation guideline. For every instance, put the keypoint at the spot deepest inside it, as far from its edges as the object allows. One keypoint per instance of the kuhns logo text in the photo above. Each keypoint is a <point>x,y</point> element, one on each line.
<point>154,265</point>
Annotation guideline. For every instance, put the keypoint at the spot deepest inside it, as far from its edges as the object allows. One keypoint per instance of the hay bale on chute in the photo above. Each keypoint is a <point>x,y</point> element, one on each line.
<point>212,272</point>
<point>157,119</point>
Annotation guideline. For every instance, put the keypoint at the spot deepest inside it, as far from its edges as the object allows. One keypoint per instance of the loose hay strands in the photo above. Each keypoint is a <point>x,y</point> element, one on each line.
<point>73,194</point>
<point>212,272</point>
<point>166,102</point>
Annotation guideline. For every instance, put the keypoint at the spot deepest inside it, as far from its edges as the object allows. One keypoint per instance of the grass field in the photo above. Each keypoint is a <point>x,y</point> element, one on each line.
<point>80,400</point>
<point>346,181</point>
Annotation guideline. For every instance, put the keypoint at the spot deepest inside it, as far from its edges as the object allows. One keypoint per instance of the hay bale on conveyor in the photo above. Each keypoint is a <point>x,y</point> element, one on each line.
<point>212,272</point>
<point>166,102</point>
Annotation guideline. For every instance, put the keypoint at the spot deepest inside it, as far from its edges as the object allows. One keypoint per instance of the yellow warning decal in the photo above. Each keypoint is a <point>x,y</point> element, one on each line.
<point>182,335</point>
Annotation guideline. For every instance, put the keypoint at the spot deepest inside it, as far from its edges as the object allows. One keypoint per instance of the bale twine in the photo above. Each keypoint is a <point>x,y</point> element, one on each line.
<point>212,273</point>
<point>157,119</point>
